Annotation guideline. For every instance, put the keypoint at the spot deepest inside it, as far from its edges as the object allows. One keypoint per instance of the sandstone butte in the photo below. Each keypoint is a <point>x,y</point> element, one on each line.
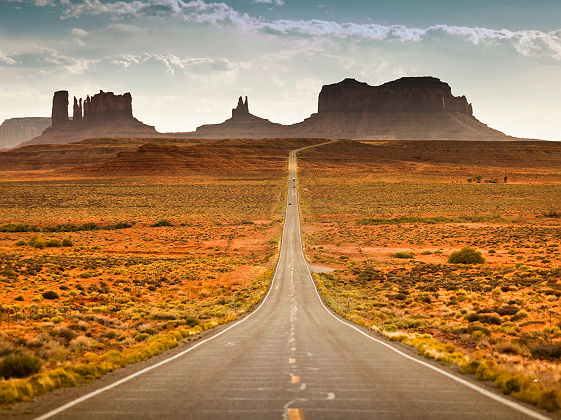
<point>410,108</point>
<point>14,131</point>
<point>104,115</point>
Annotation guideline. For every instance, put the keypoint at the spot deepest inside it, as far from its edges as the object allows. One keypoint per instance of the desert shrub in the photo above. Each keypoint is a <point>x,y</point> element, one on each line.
<point>111,334</point>
<point>141,336</point>
<point>53,243</point>
<point>123,225</point>
<point>64,332</point>
<point>507,310</point>
<point>552,214</point>
<point>36,242</point>
<point>508,347</point>
<point>19,298</point>
<point>518,316</point>
<point>404,255</point>
<point>19,365</point>
<point>161,223</point>
<point>20,227</point>
<point>466,255</point>
<point>546,350</point>
<point>67,242</point>
<point>485,318</point>
<point>50,294</point>
<point>21,242</point>
<point>192,322</point>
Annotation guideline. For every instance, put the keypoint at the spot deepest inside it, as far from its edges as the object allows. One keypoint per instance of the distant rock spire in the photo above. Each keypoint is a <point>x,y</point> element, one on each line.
<point>242,109</point>
<point>77,114</point>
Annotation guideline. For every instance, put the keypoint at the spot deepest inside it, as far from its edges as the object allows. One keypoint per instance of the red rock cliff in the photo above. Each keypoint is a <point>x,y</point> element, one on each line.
<point>410,94</point>
<point>108,106</point>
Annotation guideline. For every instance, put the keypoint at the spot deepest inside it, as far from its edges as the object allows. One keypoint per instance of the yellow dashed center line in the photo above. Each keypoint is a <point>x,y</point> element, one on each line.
<point>291,361</point>
<point>293,349</point>
<point>295,379</point>
<point>295,414</point>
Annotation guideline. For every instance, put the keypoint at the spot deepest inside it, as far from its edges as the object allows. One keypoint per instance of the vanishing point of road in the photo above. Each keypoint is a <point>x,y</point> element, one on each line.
<point>291,358</point>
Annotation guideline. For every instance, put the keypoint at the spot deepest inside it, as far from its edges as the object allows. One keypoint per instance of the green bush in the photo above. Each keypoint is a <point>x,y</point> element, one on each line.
<point>37,242</point>
<point>11,228</point>
<point>19,365</point>
<point>466,255</point>
<point>161,223</point>
<point>404,255</point>
<point>546,351</point>
<point>50,294</point>
<point>485,318</point>
<point>553,214</point>
<point>141,336</point>
<point>123,225</point>
<point>53,243</point>
<point>67,242</point>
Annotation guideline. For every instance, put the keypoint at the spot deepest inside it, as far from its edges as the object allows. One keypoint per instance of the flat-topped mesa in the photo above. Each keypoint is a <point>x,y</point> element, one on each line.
<point>107,106</point>
<point>408,94</point>
<point>242,110</point>
<point>104,115</point>
<point>59,115</point>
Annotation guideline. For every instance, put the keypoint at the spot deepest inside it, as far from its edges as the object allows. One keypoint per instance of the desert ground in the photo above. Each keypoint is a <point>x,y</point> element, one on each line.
<point>382,219</point>
<point>113,255</point>
<point>103,265</point>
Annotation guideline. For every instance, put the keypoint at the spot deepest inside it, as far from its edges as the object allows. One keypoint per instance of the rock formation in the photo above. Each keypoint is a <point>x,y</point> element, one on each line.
<point>77,114</point>
<point>408,94</point>
<point>410,108</point>
<point>242,109</point>
<point>17,130</point>
<point>243,124</point>
<point>106,106</point>
<point>59,115</point>
<point>104,115</point>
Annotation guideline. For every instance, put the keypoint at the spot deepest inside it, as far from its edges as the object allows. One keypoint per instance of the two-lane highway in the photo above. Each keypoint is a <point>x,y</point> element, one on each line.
<point>292,358</point>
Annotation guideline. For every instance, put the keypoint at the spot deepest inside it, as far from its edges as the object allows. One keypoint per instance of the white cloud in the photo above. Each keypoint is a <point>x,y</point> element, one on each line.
<point>46,59</point>
<point>43,3</point>
<point>275,2</point>
<point>526,42</point>
<point>5,59</point>
<point>79,32</point>
<point>174,63</point>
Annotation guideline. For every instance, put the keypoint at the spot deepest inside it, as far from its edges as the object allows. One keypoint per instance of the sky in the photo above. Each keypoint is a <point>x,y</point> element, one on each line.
<point>186,62</point>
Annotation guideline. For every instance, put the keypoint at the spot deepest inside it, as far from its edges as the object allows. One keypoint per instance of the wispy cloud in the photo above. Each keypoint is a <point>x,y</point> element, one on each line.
<point>275,2</point>
<point>46,59</point>
<point>5,59</point>
<point>527,42</point>
<point>174,63</point>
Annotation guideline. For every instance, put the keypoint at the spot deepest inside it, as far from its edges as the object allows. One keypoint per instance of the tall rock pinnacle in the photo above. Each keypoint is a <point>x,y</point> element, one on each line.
<point>59,113</point>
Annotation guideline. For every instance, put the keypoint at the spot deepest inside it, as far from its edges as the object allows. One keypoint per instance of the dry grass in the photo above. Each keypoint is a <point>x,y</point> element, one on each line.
<point>388,230</point>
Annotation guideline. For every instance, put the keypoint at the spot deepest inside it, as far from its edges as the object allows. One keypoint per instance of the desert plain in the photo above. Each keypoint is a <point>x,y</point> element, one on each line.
<point>129,248</point>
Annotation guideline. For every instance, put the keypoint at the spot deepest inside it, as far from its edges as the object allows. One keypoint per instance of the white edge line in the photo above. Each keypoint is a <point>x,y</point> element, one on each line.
<point>483,391</point>
<point>163,362</point>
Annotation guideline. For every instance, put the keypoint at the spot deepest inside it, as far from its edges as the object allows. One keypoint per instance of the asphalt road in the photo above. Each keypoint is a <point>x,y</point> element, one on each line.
<point>293,359</point>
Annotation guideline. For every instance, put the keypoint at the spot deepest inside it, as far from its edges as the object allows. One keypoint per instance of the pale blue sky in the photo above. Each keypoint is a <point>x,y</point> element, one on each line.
<point>186,62</point>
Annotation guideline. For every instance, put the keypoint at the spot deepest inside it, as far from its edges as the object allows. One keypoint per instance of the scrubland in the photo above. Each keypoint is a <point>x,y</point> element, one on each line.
<point>380,228</point>
<point>97,273</point>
